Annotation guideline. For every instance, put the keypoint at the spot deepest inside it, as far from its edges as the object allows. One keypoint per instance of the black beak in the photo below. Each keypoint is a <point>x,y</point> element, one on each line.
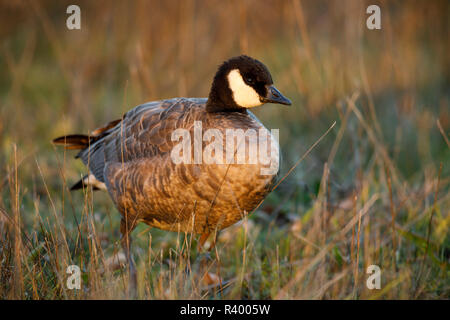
<point>275,96</point>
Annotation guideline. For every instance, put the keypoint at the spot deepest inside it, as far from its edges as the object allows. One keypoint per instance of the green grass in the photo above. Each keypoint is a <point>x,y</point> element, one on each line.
<point>375,190</point>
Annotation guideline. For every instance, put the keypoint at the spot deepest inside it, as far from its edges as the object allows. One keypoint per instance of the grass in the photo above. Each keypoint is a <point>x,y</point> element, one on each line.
<point>375,190</point>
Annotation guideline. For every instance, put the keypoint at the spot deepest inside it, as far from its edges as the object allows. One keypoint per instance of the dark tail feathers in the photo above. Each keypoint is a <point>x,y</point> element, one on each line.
<point>81,185</point>
<point>74,141</point>
<point>81,141</point>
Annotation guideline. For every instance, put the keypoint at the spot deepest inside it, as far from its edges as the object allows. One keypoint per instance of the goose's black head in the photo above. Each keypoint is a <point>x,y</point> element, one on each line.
<point>240,83</point>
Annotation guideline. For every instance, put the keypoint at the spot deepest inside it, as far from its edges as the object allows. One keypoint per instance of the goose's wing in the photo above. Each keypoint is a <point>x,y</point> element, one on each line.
<point>144,133</point>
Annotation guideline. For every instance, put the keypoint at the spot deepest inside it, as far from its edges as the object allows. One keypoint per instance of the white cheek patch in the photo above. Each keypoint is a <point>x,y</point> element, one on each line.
<point>244,95</point>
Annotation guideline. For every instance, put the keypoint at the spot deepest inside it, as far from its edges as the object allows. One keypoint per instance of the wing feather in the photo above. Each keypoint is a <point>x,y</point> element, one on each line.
<point>143,132</point>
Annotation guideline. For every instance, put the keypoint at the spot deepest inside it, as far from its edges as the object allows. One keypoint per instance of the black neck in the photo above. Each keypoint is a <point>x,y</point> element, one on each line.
<point>221,97</point>
<point>213,105</point>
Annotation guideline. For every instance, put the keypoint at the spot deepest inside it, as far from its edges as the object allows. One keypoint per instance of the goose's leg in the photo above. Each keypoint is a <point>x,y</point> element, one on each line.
<point>202,240</point>
<point>208,277</point>
<point>125,230</point>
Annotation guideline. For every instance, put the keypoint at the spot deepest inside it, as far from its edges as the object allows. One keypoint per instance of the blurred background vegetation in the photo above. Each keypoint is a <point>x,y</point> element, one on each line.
<point>375,190</point>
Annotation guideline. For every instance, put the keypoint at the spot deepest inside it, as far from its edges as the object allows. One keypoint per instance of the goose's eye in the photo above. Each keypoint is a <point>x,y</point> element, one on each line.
<point>249,80</point>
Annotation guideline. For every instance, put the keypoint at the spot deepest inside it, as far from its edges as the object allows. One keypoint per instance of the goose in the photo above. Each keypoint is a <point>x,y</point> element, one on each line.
<point>149,161</point>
